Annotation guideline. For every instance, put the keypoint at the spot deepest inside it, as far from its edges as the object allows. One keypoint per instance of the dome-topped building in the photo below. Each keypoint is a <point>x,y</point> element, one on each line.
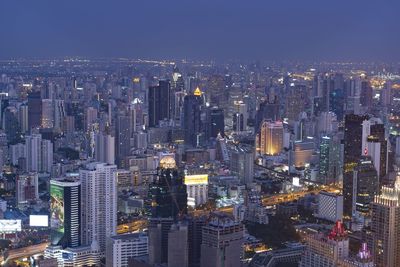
<point>168,162</point>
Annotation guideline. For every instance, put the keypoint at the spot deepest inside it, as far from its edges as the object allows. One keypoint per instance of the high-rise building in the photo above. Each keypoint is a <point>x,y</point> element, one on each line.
<point>123,139</point>
<point>375,144</point>
<point>159,103</point>
<point>365,183</point>
<point>65,213</point>
<point>59,114</point>
<point>352,151</point>
<point>122,247</point>
<point>197,189</point>
<point>35,110</point>
<point>222,242</point>
<point>105,148</point>
<point>90,118</point>
<point>39,153</point>
<point>27,188</point>
<point>99,203</point>
<point>385,226</point>
<point>178,246</point>
<point>11,124</point>
<point>167,193</point>
<point>270,138</point>
<point>158,239</point>
<point>296,100</point>
<point>325,250</point>
<point>242,163</point>
<point>215,123</point>
<point>192,117</point>
<point>23,118</point>
<point>268,110</point>
<point>47,113</point>
<point>330,206</point>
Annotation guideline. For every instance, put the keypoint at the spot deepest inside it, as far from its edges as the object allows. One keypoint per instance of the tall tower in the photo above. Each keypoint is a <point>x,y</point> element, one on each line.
<point>222,243</point>
<point>365,183</point>
<point>271,138</point>
<point>168,199</point>
<point>159,103</point>
<point>105,148</point>
<point>123,139</point>
<point>34,109</point>
<point>191,117</point>
<point>352,152</point>
<point>65,213</point>
<point>99,203</point>
<point>385,226</point>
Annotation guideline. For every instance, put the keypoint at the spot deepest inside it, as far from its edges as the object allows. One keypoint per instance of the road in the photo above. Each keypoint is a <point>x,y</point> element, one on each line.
<point>26,251</point>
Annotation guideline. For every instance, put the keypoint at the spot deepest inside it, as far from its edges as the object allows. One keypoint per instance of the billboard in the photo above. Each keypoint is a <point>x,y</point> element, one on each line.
<point>10,226</point>
<point>197,179</point>
<point>57,208</point>
<point>39,220</point>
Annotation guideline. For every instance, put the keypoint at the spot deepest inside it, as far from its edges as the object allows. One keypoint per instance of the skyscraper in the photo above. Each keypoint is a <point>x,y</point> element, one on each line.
<point>268,110</point>
<point>159,103</point>
<point>385,226</point>
<point>123,139</point>
<point>105,148</point>
<point>242,163</point>
<point>99,203</point>
<point>215,123</point>
<point>39,153</point>
<point>191,118</point>
<point>352,152</point>
<point>65,213</point>
<point>221,242</point>
<point>168,192</point>
<point>34,109</point>
<point>168,202</point>
<point>366,185</point>
<point>27,188</point>
<point>270,138</point>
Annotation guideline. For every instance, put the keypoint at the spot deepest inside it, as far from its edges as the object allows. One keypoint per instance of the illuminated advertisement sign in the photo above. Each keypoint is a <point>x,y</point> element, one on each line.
<point>39,220</point>
<point>57,208</point>
<point>196,179</point>
<point>10,226</point>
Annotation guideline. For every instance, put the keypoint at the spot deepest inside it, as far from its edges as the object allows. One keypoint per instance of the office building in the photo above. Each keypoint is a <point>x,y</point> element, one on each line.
<point>222,242</point>
<point>159,103</point>
<point>167,193</point>
<point>268,111</point>
<point>105,148</point>
<point>302,153</point>
<point>47,113</point>
<point>242,163</point>
<point>215,122</point>
<point>197,189</point>
<point>352,151</point>
<point>27,188</point>
<point>99,203</point>
<point>34,110</point>
<point>385,226</point>
<point>123,139</point>
<point>192,118</point>
<point>270,138</point>
<point>65,213</point>
<point>330,206</point>
<point>122,247</point>
<point>325,250</point>
<point>178,246</point>
<point>366,185</point>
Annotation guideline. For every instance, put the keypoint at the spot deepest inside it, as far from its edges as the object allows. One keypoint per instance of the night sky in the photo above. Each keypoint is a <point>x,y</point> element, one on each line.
<point>203,29</point>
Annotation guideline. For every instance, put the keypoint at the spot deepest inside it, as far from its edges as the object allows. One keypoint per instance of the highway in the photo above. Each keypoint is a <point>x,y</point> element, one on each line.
<point>25,251</point>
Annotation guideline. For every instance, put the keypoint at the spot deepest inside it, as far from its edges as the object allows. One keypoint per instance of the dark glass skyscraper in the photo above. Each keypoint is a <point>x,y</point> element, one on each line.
<point>167,193</point>
<point>192,117</point>
<point>159,103</point>
<point>216,123</point>
<point>352,152</point>
<point>123,138</point>
<point>34,109</point>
